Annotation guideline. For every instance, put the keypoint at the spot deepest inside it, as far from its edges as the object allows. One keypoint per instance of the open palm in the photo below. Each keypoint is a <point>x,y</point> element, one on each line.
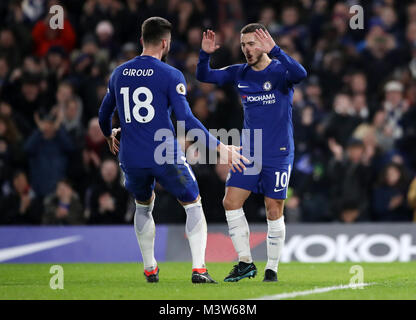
<point>265,40</point>
<point>208,42</point>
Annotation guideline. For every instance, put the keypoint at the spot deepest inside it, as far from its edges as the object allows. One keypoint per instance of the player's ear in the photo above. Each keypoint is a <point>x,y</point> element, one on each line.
<point>141,41</point>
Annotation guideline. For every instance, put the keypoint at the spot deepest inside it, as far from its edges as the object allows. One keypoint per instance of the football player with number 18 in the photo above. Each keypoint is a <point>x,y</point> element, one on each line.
<point>145,90</point>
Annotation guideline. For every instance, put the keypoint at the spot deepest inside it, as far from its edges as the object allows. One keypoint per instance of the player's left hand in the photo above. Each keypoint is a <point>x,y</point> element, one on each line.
<point>266,42</point>
<point>112,141</point>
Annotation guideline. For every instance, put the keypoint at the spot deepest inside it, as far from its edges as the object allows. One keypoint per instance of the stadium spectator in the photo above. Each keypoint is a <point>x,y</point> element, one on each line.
<point>27,98</point>
<point>45,37</point>
<point>380,56</point>
<point>10,49</point>
<point>63,207</point>
<point>305,130</point>
<point>350,178</point>
<point>9,131</point>
<point>105,39</point>
<point>108,199</point>
<point>292,27</point>
<point>267,17</point>
<point>360,107</point>
<point>350,212</point>
<point>95,149</point>
<point>390,195</point>
<point>9,157</point>
<point>4,71</point>
<point>395,106</point>
<point>342,122</point>
<point>48,149</point>
<point>21,205</point>
<point>58,66</point>
<point>72,120</point>
<point>11,141</point>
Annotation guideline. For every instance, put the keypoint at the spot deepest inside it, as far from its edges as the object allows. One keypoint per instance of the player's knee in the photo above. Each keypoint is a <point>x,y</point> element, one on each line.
<point>274,210</point>
<point>274,214</point>
<point>197,200</point>
<point>231,204</point>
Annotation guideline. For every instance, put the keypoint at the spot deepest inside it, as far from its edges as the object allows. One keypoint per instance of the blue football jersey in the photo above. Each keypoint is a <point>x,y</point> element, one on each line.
<point>145,91</point>
<point>266,97</point>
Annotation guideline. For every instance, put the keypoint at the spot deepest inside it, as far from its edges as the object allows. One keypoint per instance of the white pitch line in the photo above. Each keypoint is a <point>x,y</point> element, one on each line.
<point>295,294</point>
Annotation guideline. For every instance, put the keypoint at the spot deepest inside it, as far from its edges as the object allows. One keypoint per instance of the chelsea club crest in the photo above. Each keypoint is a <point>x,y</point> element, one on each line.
<point>267,86</point>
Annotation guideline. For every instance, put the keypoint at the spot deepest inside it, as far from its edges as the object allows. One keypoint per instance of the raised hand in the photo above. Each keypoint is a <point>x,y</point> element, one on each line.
<point>208,42</point>
<point>266,42</point>
<point>336,149</point>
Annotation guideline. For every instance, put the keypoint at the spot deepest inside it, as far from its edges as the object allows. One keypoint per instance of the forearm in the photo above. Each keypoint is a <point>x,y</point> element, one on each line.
<point>193,123</point>
<point>105,116</point>
<point>203,71</point>
<point>296,72</point>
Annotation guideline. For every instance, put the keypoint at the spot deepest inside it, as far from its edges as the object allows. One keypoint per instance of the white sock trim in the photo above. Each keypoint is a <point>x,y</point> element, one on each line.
<point>276,225</point>
<point>151,204</point>
<point>234,214</point>
<point>191,205</point>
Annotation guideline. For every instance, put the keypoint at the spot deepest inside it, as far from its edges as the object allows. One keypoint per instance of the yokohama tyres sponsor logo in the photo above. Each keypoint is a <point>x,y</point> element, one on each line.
<point>264,97</point>
<point>356,248</point>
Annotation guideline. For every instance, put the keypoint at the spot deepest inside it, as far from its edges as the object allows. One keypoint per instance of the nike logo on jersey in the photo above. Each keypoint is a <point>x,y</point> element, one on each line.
<point>241,87</point>
<point>277,190</point>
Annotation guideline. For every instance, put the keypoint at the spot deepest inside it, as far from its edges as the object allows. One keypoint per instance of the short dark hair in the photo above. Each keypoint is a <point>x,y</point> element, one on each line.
<point>154,29</point>
<point>252,27</point>
<point>65,181</point>
<point>18,172</point>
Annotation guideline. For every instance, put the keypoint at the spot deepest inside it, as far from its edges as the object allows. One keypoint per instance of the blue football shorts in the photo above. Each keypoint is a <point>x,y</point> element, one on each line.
<point>178,179</point>
<point>271,180</point>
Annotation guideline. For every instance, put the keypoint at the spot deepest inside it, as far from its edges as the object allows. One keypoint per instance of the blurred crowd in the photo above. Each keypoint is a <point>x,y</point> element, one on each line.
<point>354,116</point>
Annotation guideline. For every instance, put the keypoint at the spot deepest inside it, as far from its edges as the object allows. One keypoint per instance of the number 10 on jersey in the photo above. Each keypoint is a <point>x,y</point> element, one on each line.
<point>138,104</point>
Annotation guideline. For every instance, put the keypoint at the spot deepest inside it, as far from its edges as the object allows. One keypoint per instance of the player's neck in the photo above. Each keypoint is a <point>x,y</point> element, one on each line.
<point>262,64</point>
<point>152,53</point>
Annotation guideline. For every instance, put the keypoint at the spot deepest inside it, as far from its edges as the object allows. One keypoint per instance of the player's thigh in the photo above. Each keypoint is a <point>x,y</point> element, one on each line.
<point>140,183</point>
<point>179,180</point>
<point>235,197</point>
<point>239,185</point>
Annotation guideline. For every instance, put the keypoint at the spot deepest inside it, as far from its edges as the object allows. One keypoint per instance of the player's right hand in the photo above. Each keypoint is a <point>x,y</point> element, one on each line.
<point>112,141</point>
<point>231,155</point>
<point>208,42</point>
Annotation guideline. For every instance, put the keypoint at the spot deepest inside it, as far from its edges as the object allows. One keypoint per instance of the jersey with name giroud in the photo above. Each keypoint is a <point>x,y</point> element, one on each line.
<point>145,91</point>
<point>266,97</point>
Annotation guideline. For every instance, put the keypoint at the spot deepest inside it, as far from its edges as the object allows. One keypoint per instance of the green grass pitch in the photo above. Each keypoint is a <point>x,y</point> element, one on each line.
<point>126,281</point>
